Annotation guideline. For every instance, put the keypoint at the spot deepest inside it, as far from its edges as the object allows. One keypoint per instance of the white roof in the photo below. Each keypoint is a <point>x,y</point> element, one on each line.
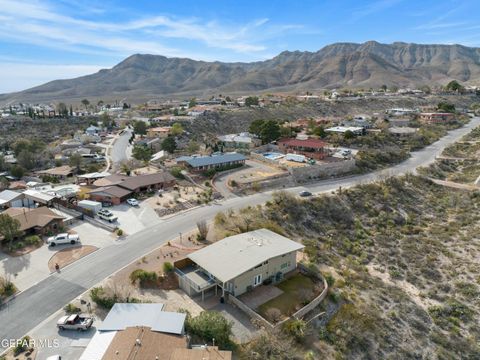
<point>98,345</point>
<point>38,196</point>
<point>228,258</point>
<point>149,315</point>
<point>94,175</point>
<point>343,129</point>
<point>9,195</point>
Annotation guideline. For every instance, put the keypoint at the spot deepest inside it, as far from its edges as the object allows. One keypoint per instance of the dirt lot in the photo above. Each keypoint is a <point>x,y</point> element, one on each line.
<point>170,198</point>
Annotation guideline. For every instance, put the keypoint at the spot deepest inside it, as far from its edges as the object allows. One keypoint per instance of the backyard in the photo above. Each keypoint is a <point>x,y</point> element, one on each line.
<point>297,291</point>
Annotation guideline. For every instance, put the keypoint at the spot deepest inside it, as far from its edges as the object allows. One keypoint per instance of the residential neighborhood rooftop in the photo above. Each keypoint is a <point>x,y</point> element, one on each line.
<point>30,218</point>
<point>234,255</point>
<point>214,159</point>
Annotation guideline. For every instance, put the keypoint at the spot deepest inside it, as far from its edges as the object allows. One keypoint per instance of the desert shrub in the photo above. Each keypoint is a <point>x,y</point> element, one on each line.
<point>167,267</point>
<point>143,277</point>
<point>72,309</point>
<point>177,172</point>
<point>211,325</point>
<point>32,240</point>
<point>22,346</point>
<point>273,314</point>
<point>119,232</point>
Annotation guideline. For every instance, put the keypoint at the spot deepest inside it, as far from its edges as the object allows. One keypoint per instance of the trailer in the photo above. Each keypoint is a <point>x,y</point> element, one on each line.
<point>93,206</point>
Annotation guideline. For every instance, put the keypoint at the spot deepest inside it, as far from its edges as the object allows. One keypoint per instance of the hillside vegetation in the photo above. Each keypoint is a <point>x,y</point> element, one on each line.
<point>403,258</point>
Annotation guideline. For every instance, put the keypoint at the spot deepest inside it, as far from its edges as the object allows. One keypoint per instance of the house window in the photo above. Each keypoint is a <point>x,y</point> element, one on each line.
<point>257,280</point>
<point>285,265</point>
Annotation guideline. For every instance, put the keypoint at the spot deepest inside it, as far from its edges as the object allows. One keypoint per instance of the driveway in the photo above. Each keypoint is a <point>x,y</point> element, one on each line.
<point>134,219</point>
<point>67,344</point>
<point>29,269</point>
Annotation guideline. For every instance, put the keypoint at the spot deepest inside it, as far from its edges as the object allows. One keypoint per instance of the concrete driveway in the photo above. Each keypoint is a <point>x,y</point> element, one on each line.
<point>27,270</point>
<point>68,344</point>
<point>134,219</point>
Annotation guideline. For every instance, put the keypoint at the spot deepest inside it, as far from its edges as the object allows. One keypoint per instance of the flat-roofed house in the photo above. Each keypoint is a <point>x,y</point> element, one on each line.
<point>239,141</point>
<point>311,148</point>
<point>110,194</point>
<point>10,198</point>
<point>238,263</point>
<point>161,132</point>
<point>214,161</point>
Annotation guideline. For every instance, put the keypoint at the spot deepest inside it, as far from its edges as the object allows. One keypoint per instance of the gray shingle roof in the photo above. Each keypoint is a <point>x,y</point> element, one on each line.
<point>215,159</point>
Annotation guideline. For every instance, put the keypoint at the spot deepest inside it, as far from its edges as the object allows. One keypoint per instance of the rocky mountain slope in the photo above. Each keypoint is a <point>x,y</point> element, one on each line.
<point>371,64</point>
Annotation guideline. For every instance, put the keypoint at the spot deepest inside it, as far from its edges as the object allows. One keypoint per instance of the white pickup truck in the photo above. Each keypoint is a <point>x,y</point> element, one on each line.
<point>74,322</point>
<point>63,239</point>
<point>106,215</point>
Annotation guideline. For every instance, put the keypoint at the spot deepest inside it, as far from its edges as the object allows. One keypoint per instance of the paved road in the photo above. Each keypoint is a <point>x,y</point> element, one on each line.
<point>119,148</point>
<point>35,304</point>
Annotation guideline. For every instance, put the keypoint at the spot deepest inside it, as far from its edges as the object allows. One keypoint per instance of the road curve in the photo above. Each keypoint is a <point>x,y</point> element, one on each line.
<point>38,302</point>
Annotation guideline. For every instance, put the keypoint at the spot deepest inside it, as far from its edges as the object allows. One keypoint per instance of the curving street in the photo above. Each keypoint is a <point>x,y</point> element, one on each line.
<point>40,301</point>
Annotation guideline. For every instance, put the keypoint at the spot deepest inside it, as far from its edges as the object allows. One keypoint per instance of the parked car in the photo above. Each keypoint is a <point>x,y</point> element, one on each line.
<point>107,215</point>
<point>133,202</point>
<point>63,239</point>
<point>305,193</point>
<point>74,322</point>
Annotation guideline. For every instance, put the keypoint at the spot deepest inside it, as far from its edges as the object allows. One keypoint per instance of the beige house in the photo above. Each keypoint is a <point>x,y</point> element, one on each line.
<point>238,263</point>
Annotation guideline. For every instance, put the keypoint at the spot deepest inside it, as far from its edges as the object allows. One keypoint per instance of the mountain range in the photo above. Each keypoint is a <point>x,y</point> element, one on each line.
<point>371,64</point>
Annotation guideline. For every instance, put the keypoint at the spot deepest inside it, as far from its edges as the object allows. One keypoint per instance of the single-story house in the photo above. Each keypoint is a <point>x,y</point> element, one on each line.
<point>312,148</point>
<point>92,130</point>
<point>436,117</point>
<point>109,180</point>
<point>90,178</point>
<point>118,188</point>
<point>61,172</point>
<point>148,182</point>
<point>202,163</point>
<point>10,198</point>
<point>110,194</point>
<point>37,220</point>
<point>356,130</point>
<point>34,197</point>
<point>161,132</point>
<point>238,263</point>
<point>239,141</point>
<point>141,329</point>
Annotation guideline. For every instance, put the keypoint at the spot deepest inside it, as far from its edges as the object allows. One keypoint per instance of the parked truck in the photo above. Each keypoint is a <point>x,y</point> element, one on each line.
<point>74,322</point>
<point>63,238</point>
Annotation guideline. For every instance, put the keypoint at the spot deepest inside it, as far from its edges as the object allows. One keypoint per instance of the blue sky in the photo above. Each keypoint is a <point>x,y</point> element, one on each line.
<point>42,40</point>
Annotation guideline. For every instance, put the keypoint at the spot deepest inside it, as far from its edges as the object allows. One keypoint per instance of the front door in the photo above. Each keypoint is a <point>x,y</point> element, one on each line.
<point>257,280</point>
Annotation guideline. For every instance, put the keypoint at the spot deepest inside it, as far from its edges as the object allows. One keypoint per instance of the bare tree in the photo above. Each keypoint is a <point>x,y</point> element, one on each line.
<point>202,230</point>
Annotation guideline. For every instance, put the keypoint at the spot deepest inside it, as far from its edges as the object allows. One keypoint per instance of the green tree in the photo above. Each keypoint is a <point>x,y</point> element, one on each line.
<point>17,171</point>
<point>169,144</point>
<point>76,161</point>
<point>176,129</point>
<point>125,168</point>
<point>270,131</point>
<point>192,103</point>
<point>454,85</point>
<point>446,107</point>
<point>62,109</point>
<point>142,153</point>
<point>251,100</point>
<point>256,127</point>
<point>9,228</point>
<point>319,131</point>
<point>26,159</point>
<point>426,89</point>
<point>71,110</point>
<point>193,146</point>
<point>211,325</point>
<point>349,134</point>
<point>85,103</point>
<point>140,127</point>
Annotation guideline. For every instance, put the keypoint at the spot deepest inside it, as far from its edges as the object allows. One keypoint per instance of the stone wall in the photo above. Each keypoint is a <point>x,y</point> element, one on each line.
<point>252,314</point>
